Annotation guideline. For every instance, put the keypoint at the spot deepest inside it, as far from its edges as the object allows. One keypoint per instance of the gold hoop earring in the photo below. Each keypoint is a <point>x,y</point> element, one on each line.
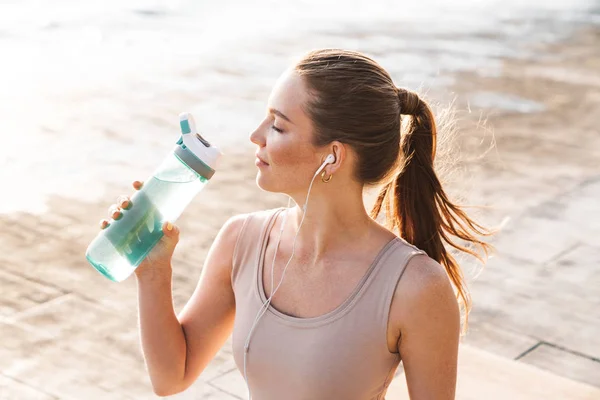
<point>323,177</point>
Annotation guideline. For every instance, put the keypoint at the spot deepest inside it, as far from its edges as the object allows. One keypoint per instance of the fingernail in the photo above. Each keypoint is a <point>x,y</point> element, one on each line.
<point>128,205</point>
<point>169,226</point>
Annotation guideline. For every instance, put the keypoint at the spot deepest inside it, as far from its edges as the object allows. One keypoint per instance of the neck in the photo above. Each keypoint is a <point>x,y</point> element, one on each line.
<point>331,224</point>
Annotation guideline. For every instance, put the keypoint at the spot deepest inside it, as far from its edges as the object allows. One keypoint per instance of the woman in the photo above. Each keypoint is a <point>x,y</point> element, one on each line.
<point>356,298</point>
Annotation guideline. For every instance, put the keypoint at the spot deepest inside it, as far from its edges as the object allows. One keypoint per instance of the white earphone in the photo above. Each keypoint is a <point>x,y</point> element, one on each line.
<point>265,306</point>
<point>329,160</point>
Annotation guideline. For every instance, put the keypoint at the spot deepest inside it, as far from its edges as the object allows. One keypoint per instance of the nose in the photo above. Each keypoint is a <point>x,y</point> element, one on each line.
<point>257,137</point>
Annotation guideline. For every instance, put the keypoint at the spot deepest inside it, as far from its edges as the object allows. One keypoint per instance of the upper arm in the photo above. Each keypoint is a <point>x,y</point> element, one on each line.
<point>428,319</point>
<point>207,318</point>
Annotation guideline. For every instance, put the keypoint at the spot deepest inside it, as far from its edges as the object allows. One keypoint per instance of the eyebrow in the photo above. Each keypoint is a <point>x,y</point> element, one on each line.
<point>280,114</point>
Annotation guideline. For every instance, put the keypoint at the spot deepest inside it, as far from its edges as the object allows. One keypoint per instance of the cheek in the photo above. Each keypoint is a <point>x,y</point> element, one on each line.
<point>292,166</point>
<point>290,158</point>
<point>290,154</point>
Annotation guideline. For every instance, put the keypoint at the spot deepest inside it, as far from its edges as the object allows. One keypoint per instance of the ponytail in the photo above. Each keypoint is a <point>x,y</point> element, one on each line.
<point>416,204</point>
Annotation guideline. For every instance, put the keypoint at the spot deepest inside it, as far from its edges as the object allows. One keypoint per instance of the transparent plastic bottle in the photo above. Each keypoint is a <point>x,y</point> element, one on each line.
<point>118,249</point>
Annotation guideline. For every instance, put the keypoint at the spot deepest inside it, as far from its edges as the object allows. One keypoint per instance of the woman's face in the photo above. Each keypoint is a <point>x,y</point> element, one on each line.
<point>284,139</point>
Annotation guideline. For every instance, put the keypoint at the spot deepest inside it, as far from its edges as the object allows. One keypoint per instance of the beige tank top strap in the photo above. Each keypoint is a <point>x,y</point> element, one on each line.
<point>376,298</point>
<point>247,247</point>
<point>394,266</point>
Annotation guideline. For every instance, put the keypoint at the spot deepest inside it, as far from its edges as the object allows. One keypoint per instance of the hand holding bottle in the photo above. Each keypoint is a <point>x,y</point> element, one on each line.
<point>158,261</point>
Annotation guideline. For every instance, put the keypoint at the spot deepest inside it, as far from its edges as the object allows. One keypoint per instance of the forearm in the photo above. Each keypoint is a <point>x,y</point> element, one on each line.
<point>162,336</point>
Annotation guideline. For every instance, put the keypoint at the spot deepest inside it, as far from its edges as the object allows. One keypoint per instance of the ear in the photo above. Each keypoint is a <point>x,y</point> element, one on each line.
<point>339,151</point>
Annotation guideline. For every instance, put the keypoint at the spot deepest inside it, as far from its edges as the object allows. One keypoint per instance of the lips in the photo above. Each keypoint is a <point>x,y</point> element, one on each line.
<point>261,160</point>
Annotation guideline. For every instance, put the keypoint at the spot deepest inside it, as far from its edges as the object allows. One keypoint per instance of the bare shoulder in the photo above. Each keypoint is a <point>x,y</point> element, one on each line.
<point>424,328</point>
<point>423,279</point>
<point>215,278</point>
<point>232,227</point>
<point>221,253</point>
<point>424,297</point>
<point>230,233</point>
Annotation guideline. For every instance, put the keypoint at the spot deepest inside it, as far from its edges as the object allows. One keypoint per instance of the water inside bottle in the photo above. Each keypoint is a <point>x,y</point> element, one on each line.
<point>162,198</point>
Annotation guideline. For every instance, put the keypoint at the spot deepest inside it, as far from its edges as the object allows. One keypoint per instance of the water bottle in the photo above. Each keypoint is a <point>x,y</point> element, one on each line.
<point>118,249</point>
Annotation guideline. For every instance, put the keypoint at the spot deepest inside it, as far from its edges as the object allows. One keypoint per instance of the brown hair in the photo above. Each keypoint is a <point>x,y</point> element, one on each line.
<point>354,100</point>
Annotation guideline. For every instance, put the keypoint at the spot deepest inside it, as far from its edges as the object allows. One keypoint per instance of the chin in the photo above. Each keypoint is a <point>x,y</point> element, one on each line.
<point>262,182</point>
<point>267,185</point>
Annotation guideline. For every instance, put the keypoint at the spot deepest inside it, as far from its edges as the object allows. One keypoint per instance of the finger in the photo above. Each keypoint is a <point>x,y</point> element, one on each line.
<point>114,212</point>
<point>104,224</point>
<point>124,202</point>
<point>171,231</point>
<point>137,185</point>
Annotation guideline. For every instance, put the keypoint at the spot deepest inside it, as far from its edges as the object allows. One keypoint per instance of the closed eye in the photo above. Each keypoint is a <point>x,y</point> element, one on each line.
<point>276,129</point>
